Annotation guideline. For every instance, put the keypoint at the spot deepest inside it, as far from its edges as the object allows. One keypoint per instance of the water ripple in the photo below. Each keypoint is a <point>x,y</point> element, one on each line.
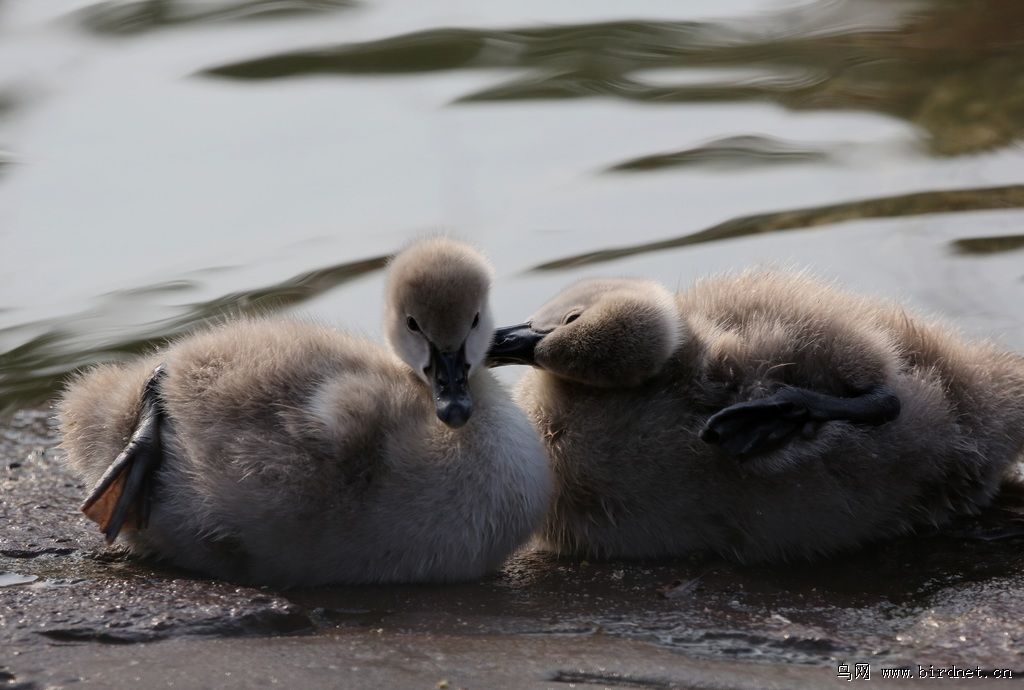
<point>988,245</point>
<point>149,15</point>
<point>34,369</point>
<point>730,152</point>
<point>956,70</point>
<point>919,203</point>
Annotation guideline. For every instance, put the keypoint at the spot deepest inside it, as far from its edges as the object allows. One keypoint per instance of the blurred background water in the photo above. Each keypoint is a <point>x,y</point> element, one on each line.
<point>166,162</point>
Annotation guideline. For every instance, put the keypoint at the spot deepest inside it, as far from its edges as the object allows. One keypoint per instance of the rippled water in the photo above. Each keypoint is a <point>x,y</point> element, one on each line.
<point>165,162</point>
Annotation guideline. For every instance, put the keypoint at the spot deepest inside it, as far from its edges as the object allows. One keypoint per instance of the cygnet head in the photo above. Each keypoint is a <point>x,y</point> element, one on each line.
<point>597,332</point>
<point>439,320</point>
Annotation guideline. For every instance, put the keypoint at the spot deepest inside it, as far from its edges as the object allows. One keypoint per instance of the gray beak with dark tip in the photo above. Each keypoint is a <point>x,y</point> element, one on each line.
<point>514,345</point>
<point>449,381</point>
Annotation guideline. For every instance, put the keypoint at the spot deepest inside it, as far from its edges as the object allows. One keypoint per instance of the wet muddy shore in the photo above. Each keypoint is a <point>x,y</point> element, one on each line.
<point>76,614</point>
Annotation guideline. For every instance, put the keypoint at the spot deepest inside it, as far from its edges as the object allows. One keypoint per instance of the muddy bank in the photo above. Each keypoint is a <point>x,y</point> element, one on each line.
<point>71,609</point>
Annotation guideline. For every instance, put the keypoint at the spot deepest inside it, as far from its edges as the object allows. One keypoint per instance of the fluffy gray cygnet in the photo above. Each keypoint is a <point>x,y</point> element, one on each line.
<point>763,416</point>
<point>288,453</point>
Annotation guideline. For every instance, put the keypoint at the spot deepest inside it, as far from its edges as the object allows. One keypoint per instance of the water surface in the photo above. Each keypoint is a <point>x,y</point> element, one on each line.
<point>163,162</point>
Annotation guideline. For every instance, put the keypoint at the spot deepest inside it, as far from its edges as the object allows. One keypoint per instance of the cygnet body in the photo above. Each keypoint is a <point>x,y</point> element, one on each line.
<point>764,416</point>
<point>289,453</point>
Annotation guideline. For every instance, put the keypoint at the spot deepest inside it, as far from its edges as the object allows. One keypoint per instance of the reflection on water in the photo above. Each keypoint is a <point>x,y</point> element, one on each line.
<point>955,69</point>
<point>989,245</point>
<point>7,103</point>
<point>797,219</point>
<point>178,163</point>
<point>732,152</point>
<point>28,371</point>
<point>145,15</point>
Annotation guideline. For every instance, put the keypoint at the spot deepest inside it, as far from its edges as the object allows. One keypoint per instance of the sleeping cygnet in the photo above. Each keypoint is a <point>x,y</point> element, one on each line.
<point>763,416</point>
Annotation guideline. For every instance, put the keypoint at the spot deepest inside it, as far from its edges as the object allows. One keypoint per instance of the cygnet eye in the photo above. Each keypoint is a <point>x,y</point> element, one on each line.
<point>570,317</point>
<point>476,320</point>
<point>413,326</point>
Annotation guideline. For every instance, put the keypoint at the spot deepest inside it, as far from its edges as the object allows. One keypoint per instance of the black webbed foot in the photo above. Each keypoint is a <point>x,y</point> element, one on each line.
<point>758,426</point>
<point>123,494</point>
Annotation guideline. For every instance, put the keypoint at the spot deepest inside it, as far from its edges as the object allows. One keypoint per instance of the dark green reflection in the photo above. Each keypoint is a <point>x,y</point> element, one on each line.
<point>33,371</point>
<point>988,245</point>
<point>955,68</point>
<point>8,102</point>
<point>420,52</point>
<point>1011,196</point>
<point>146,15</point>
<point>731,152</point>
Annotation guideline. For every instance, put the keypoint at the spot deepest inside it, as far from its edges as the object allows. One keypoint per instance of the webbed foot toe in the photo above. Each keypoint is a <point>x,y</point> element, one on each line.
<point>123,494</point>
<point>757,426</point>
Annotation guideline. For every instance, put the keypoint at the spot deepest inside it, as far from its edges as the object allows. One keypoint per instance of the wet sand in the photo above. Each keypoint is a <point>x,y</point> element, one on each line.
<point>76,614</point>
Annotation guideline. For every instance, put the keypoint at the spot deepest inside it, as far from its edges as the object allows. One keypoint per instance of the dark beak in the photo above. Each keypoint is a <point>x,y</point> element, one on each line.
<point>450,383</point>
<point>514,345</point>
